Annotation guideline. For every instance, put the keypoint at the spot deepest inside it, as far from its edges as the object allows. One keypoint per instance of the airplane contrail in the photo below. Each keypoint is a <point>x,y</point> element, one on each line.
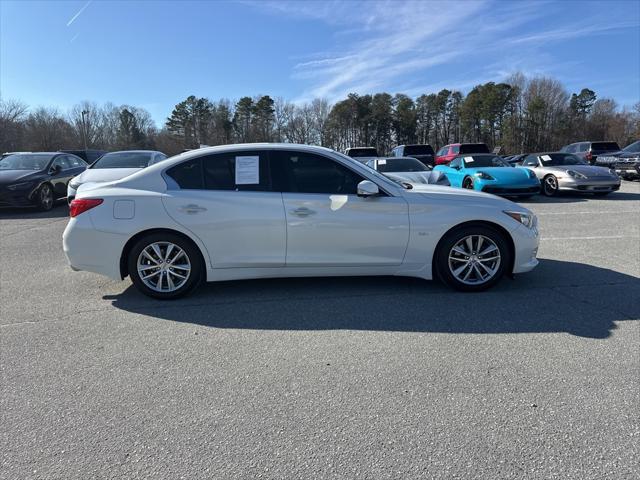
<point>79,12</point>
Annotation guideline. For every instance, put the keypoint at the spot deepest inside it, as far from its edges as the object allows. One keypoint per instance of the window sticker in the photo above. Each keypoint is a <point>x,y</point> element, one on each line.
<point>382,162</point>
<point>469,159</point>
<point>248,170</point>
<point>545,158</point>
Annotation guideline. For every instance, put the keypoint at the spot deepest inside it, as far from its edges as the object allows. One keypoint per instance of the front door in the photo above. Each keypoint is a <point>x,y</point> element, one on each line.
<point>232,210</point>
<point>327,223</point>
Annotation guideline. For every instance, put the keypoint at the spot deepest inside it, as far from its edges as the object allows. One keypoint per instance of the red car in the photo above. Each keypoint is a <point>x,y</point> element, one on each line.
<point>449,152</point>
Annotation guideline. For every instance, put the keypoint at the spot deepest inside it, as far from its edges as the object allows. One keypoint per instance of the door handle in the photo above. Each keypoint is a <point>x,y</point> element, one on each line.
<point>192,209</point>
<point>303,212</point>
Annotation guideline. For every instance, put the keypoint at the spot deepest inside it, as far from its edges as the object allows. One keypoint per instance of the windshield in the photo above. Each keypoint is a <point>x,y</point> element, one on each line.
<point>418,150</point>
<point>24,161</point>
<point>474,148</point>
<point>475,161</point>
<point>124,160</point>
<point>363,152</point>
<point>558,159</point>
<point>633,148</point>
<point>401,165</point>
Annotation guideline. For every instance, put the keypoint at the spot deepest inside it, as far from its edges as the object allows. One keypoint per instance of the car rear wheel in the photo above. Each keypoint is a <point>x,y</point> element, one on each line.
<point>468,183</point>
<point>165,265</point>
<point>44,198</point>
<point>473,258</point>
<point>550,185</point>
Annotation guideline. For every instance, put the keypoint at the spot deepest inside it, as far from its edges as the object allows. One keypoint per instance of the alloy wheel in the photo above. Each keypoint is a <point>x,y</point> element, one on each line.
<point>163,267</point>
<point>474,260</point>
<point>46,197</point>
<point>550,185</point>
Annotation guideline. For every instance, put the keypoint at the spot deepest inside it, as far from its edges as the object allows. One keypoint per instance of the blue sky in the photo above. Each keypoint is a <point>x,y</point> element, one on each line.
<point>154,54</point>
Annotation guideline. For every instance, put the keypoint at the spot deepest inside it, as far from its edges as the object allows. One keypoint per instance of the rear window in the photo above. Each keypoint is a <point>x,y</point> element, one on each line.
<point>124,160</point>
<point>605,146</point>
<point>401,165</point>
<point>474,148</point>
<point>418,150</point>
<point>363,152</point>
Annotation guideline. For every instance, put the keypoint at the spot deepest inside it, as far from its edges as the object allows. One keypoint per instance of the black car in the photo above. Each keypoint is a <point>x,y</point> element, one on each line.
<point>37,179</point>
<point>88,156</point>
<point>423,152</point>
<point>625,162</point>
<point>590,151</point>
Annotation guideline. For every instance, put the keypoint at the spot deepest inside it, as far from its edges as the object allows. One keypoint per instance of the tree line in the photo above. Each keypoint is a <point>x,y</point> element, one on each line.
<point>520,115</point>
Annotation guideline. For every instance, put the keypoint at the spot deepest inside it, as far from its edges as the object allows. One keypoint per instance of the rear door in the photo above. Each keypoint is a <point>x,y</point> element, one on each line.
<point>226,199</point>
<point>327,223</point>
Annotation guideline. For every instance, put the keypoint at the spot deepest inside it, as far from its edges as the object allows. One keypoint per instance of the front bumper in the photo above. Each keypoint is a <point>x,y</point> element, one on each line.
<point>526,242</point>
<point>16,198</point>
<point>588,185</point>
<point>511,191</point>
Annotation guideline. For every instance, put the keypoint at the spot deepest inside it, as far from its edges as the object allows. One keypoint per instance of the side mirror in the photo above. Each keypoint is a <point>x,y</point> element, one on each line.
<point>367,188</point>
<point>56,169</point>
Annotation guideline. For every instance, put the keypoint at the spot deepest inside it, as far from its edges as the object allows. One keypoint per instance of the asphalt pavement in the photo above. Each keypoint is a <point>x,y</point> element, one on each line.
<point>356,378</point>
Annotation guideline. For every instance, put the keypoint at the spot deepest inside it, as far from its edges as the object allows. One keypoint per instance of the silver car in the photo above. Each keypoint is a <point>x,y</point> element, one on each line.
<point>559,171</point>
<point>408,170</point>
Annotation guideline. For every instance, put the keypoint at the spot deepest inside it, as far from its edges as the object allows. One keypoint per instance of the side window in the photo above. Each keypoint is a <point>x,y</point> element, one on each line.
<point>187,175</point>
<point>76,162</point>
<point>442,151</point>
<point>220,171</point>
<point>455,149</point>
<point>63,161</point>
<point>530,161</point>
<point>456,162</point>
<point>303,172</point>
<point>583,147</point>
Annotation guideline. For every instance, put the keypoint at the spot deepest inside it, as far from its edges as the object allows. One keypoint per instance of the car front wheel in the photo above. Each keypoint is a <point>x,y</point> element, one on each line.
<point>472,258</point>
<point>550,185</point>
<point>165,265</point>
<point>44,198</point>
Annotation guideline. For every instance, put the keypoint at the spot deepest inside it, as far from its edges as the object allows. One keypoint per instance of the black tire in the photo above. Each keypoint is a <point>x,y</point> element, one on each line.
<point>601,194</point>
<point>550,186</point>
<point>44,197</point>
<point>468,183</point>
<point>451,239</point>
<point>194,258</point>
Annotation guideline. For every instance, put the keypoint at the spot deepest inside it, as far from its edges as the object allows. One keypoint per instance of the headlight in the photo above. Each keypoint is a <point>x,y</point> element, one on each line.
<point>529,220</point>
<point>20,186</point>
<point>484,176</point>
<point>575,174</point>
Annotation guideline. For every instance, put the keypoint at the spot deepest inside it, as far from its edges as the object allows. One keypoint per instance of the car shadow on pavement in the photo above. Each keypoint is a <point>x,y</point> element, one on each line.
<point>558,296</point>
<point>59,210</point>
<point>573,197</point>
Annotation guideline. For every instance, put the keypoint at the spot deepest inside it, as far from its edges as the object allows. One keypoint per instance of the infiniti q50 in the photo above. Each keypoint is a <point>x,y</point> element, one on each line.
<point>284,210</point>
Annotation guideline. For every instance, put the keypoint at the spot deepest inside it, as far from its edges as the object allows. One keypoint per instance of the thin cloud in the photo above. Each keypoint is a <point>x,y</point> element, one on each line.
<point>73,19</point>
<point>73,39</point>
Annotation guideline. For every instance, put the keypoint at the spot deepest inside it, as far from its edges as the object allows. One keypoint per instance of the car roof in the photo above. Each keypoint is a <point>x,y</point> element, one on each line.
<point>137,151</point>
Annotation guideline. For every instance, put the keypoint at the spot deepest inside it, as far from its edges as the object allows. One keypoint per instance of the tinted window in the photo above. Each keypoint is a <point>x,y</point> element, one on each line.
<point>456,162</point>
<point>310,173</point>
<point>605,147</point>
<point>399,164</point>
<point>475,161</point>
<point>220,171</point>
<point>582,147</point>
<point>188,175</point>
<point>455,149</point>
<point>474,148</point>
<point>124,160</point>
<point>21,161</point>
<point>531,161</point>
<point>363,152</point>
<point>418,150</point>
<point>76,162</point>
<point>557,159</point>
<point>63,161</point>
<point>633,148</point>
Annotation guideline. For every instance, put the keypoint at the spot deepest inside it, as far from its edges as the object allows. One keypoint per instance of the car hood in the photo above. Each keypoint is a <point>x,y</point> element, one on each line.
<point>8,177</point>
<point>586,170</point>
<point>462,195</point>
<point>104,174</point>
<point>501,173</point>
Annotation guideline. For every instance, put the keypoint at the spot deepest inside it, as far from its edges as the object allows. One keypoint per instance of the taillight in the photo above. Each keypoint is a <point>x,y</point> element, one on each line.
<point>80,205</point>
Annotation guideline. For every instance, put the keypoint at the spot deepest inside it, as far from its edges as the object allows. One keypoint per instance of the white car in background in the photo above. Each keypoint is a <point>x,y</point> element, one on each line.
<point>409,170</point>
<point>285,210</point>
<point>114,166</point>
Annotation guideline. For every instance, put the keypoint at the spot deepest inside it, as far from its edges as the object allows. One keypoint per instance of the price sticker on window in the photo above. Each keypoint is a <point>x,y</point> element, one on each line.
<point>545,158</point>
<point>248,170</point>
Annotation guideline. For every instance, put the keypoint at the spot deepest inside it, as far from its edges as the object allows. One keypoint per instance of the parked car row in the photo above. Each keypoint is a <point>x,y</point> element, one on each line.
<point>40,178</point>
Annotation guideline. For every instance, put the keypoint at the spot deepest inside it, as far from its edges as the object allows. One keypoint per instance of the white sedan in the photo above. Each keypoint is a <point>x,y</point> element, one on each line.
<point>284,210</point>
<point>114,166</point>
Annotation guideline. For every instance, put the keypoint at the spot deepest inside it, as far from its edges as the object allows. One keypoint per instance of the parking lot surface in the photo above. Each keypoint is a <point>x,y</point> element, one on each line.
<point>328,378</point>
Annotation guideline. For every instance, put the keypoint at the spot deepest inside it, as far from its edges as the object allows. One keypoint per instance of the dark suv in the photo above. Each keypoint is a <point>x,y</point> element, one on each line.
<point>422,152</point>
<point>589,151</point>
<point>626,162</point>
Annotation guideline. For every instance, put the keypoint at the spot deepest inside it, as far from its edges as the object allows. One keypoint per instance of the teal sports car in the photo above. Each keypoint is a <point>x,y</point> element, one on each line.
<point>489,173</point>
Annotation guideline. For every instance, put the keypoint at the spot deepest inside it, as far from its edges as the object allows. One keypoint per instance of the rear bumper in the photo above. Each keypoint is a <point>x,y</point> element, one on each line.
<point>90,250</point>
